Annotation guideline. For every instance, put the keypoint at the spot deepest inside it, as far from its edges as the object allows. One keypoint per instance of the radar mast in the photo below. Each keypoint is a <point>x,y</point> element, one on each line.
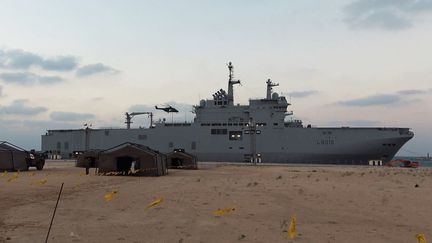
<point>231,83</point>
<point>270,86</point>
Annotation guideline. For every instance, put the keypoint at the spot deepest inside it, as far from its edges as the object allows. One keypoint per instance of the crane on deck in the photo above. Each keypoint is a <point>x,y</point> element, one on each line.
<point>129,117</point>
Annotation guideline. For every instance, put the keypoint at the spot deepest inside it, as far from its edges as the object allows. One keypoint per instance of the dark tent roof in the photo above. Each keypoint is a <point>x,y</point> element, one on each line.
<point>12,157</point>
<point>10,147</point>
<point>179,159</point>
<point>135,145</point>
<point>93,155</point>
<point>182,154</point>
<point>127,155</point>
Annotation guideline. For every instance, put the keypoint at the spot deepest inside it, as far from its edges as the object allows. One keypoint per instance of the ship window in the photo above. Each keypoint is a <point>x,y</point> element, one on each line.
<point>235,124</point>
<point>230,147</point>
<point>215,102</point>
<point>193,145</point>
<point>106,132</point>
<point>224,124</point>
<point>240,124</point>
<point>142,137</point>
<point>275,124</point>
<point>235,135</point>
<point>66,146</point>
<point>229,124</point>
<point>218,131</point>
<point>215,124</point>
<point>219,102</point>
<point>58,145</point>
<point>241,147</point>
<point>258,132</point>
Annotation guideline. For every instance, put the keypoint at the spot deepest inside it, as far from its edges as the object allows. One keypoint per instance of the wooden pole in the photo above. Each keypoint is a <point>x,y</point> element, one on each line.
<point>55,209</point>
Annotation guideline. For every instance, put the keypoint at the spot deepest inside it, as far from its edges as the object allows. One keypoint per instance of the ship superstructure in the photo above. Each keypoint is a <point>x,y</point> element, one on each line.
<point>259,132</point>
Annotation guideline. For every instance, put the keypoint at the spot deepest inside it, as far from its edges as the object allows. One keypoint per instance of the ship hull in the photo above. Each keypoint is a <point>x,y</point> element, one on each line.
<point>269,144</point>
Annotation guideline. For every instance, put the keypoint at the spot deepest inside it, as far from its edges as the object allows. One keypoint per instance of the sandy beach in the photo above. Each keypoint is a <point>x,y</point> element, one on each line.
<point>331,204</point>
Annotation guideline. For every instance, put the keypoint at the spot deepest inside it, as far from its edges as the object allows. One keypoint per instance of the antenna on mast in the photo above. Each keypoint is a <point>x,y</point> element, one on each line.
<point>231,83</point>
<point>270,86</point>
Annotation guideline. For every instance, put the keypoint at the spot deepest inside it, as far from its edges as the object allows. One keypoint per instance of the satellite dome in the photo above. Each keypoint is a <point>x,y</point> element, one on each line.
<point>275,96</point>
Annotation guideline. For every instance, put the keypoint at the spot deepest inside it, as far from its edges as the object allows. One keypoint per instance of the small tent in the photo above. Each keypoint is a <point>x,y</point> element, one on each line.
<point>179,159</point>
<point>90,157</point>
<point>132,158</point>
<point>12,157</point>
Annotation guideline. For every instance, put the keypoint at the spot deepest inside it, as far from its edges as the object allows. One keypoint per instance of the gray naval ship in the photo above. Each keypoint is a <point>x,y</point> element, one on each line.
<point>258,132</point>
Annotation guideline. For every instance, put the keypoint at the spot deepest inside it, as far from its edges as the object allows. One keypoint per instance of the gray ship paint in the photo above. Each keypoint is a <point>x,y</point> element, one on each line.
<point>223,131</point>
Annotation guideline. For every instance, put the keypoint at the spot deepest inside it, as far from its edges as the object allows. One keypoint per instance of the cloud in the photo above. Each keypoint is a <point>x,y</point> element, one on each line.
<point>70,116</point>
<point>302,94</point>
<point>384,14</point>
<point>373,100</point>
<point>19,59</point>
<point>402,97</point>
<point>60,63</point>
<point>92,69</point>
<point>26,78</point>
<point>49,79</point>
<point>25,61</point>
<point>20,107</point>
<point>412,92</point>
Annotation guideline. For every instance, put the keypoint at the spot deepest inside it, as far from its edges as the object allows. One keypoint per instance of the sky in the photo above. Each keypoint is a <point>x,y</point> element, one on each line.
<point>340,63</point>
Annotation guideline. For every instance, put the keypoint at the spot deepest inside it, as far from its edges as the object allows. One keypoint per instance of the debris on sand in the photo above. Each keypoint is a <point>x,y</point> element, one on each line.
<point>241,237</point>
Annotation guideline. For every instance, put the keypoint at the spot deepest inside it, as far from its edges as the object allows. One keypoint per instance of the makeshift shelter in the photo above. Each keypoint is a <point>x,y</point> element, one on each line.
<point>90,157</point>
<point>132,158</point>
<point>12,157</point>
<point>179,159</point>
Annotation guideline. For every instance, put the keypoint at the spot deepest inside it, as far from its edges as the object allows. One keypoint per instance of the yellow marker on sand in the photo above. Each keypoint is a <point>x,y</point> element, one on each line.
<point>13,177</point>
<point>224,211</point>
<point>421,238</point>
<point>109,196</point>
<point>292,227</point>
<point>39,182</point>
<point>155,202</point>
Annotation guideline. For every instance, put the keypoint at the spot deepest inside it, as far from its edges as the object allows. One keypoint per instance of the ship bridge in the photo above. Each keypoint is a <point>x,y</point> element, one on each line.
<point>221,109</point>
